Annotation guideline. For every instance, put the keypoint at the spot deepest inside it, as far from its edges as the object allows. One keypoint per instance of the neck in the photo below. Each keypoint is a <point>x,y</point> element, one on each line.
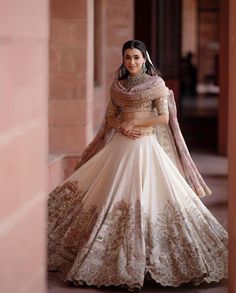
<point>136,76</point>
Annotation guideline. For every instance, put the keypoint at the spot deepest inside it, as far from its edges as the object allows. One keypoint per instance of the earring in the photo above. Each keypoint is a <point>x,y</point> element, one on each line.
<point>123,69</point>
<point>144,68</point>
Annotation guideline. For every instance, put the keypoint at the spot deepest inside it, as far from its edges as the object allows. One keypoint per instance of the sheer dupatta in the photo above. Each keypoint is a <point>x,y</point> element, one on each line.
<point>169,137</point>
<point>172,141</point>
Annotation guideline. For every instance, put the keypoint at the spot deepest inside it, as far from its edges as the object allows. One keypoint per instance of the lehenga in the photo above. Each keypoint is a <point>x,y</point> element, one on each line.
<point>132,208</point>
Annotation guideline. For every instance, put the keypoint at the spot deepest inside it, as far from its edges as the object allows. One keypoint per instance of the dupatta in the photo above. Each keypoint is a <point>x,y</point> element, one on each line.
<point>169,136</point>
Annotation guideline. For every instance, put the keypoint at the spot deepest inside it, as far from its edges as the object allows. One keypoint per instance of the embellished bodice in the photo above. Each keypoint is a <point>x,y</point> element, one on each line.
<point>145,93</point>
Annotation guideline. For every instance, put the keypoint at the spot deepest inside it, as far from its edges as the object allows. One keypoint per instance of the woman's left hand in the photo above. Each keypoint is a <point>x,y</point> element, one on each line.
<point>132,133</point>
<point>128,129</point>
<point>127,125</point>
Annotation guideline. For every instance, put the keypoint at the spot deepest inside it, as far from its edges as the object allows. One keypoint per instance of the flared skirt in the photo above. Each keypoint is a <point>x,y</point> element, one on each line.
<point>128,213</point>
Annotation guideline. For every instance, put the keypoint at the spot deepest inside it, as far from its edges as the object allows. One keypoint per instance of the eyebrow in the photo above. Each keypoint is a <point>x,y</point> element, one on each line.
<point>133,55</point>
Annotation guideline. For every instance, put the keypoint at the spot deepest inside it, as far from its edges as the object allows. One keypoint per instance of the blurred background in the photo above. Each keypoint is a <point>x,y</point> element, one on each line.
<point>58,59</point>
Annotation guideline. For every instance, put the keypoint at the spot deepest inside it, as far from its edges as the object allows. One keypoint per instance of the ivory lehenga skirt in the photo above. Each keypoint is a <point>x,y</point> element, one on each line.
<point>128,213</point>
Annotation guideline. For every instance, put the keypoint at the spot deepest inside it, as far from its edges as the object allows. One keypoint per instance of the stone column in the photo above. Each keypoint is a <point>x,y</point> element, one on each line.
<point>119,28</point>
<point>114,25</point>
<point>23,144</point>
<point>71,75</point>
<point>189,27</point>
<point>232,145</point>
<point>223,70</point>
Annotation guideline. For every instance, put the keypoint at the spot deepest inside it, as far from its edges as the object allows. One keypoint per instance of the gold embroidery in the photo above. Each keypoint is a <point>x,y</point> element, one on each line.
<point>120,245</point>
<point>112,109</point>
<point>161,105</point>
<point>134,99</point>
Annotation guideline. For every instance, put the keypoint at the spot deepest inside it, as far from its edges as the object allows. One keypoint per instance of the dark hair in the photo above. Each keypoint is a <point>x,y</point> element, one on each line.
<point>136,44</point>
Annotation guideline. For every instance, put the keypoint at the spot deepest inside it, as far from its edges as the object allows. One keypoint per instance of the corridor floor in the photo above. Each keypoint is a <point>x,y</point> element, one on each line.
<point>214,170</point>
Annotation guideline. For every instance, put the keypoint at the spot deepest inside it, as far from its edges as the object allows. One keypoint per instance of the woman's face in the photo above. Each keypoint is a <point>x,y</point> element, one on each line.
<point>133,60</point>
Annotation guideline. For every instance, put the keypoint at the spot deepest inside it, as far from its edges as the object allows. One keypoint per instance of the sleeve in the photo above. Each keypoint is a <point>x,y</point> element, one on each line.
<point>161,104</point>
<point>161,101</point>
<point>113,111</point>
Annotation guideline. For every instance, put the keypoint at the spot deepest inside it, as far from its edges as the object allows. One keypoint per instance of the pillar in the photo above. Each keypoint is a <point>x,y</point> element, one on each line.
<point>232,146</point>
<point>71,75</point>
<point>223,70</point>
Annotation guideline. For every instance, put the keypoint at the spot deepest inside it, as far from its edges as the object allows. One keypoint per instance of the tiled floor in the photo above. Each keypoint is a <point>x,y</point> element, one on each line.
<point>214,170</point>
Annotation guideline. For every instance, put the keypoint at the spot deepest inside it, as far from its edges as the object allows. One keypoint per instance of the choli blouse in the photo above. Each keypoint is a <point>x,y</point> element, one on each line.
<point>160,106</point>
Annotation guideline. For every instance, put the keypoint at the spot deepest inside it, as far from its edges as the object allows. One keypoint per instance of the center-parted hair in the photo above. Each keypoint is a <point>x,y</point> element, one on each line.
<point>136,44</point>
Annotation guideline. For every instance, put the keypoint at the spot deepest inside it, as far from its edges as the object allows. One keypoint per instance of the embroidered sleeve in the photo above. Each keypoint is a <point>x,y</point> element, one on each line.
<point>161,105</point>
<point>113,111</point>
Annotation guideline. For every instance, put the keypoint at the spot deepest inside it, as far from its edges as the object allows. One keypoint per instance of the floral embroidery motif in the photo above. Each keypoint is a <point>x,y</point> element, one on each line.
<point>162,105</point>
<point>119,245</point>
<point>112,110</point>
<point>132,100</point>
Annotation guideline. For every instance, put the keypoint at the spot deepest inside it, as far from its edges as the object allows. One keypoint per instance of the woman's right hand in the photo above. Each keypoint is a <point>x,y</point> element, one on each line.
<point>128,129</point>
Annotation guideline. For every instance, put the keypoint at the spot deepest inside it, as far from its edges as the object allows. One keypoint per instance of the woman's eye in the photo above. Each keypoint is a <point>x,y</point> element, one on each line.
<point>129,58</point>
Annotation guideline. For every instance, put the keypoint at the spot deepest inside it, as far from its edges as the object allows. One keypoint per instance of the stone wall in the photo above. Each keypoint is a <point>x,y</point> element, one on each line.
<point>116,26</point>
<point>83,33</point>
<point>71,69</point>
<point>23,144</point>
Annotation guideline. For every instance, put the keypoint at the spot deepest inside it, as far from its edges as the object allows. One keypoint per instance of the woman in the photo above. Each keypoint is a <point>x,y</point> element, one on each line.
<point>131,209</point>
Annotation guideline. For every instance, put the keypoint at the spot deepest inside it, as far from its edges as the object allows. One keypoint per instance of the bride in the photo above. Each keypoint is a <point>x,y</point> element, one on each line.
<point>131,209</point>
